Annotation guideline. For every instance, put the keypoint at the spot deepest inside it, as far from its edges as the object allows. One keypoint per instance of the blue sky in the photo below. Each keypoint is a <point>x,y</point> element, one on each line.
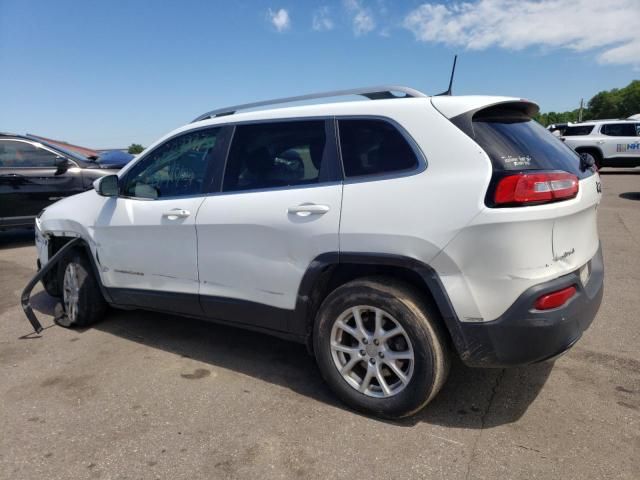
<point>109,73</point>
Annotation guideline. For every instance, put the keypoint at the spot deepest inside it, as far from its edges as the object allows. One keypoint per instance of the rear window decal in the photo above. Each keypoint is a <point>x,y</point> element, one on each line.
<point>510,161</point>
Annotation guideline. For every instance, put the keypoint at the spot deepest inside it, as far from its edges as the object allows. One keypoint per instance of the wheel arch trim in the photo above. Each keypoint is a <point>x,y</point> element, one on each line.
<point>322,266</point>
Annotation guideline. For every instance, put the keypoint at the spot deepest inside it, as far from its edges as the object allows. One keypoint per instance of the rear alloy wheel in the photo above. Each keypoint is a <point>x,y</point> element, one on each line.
<point>379,346</point>
<point>82,300</point>
<point>372,351</point>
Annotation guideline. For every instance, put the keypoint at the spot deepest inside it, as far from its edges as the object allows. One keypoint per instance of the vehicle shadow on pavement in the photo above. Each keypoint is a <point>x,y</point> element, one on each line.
<point>16,238</point>
<point>630,195</point>
<point>484,398</point>
<point>471,398</point>
<point>43,302</point>
<point>635,171</point>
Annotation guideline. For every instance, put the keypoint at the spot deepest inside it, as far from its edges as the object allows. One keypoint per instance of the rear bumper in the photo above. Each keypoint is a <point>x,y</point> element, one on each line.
<point>523,335</point>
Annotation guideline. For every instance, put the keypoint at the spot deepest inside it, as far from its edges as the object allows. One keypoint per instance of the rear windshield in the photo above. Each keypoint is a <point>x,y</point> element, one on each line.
<point>577,130</point>
<point>516,142</point>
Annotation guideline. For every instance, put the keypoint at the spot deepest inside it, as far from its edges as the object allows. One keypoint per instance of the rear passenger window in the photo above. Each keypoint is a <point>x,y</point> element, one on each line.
<point>272,155</point>
<point>619,130</point>
<point>374,147</point>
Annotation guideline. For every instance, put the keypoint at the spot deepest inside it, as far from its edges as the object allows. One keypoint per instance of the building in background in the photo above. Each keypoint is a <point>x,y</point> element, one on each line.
<point>85,152</point>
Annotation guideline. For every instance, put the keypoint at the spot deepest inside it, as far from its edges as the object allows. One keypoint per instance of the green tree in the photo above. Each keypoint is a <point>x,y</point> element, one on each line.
<point>605,104</point>
<point>630,104</point>
<point>614,103</point>
<point>135,148</point>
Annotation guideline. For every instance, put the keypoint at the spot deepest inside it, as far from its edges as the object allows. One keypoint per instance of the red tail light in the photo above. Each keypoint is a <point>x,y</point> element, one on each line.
<point>535,188</point>
<point>555,299</point>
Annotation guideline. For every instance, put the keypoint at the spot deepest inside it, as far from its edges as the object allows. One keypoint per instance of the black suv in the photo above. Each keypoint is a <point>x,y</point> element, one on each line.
<point>34,174</point>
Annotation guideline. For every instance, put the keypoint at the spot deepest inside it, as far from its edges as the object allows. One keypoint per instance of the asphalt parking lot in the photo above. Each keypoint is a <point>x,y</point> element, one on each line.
<point>144,395</point>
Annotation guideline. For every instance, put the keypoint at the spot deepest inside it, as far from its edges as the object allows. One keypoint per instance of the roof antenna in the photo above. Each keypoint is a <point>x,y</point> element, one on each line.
<point>453,71</point>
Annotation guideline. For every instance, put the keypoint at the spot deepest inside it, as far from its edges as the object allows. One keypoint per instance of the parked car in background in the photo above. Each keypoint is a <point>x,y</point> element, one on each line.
<point>607,143</point>
<point>557,128</point>
<point>114,159</point>
<point>388,235</point>
<point>34,174</point>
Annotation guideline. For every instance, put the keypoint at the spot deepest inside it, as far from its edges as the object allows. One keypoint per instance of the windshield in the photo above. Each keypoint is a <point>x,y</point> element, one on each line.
<point>114,157</point>
<point>69,153</point>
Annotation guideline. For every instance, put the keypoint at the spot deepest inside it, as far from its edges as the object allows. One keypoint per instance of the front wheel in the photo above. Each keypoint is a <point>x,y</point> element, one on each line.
<point>82,299</point>
<point>379,346</point>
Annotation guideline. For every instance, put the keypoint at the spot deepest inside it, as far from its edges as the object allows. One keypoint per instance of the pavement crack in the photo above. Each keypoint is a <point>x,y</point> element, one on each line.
<point>524,447</point>
<point>483,420</point>
<point>624,225</point>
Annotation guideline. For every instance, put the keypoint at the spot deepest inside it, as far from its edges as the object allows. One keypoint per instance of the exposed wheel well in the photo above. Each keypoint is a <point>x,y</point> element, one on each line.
<point>52,278</point>
<point>336,275</point>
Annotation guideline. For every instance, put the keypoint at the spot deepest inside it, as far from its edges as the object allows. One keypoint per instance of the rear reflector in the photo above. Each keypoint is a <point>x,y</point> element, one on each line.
<point>535,188</point>
<point>555,299</point>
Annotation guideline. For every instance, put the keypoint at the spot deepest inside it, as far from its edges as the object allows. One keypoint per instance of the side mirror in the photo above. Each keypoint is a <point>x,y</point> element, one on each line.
<point>107,186</point>
<point>62,165</point>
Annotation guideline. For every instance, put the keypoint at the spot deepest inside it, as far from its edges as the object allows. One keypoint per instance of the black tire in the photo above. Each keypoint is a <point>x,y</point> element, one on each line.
<point>420,320</point>
<point>50,283</point>
<point>90,306</point>
<point>595,154</point>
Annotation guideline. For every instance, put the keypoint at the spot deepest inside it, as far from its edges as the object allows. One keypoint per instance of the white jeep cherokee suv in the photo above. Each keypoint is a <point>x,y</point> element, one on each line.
<point>607,143</point>
<point>387,235</point>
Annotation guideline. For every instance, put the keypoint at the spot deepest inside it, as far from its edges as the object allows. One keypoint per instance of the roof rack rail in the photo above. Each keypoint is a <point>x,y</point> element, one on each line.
<point>372,93</point>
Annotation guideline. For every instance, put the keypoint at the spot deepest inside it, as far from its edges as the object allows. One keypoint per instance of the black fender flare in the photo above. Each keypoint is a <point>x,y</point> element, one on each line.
<point>323,263</point>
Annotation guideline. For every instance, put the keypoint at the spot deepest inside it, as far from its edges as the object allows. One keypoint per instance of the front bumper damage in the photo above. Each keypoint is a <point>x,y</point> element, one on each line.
<point>26,293</point>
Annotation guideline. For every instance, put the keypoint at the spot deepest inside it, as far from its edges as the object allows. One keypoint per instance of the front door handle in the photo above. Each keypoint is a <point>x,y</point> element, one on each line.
<point>307,209</point>
<point>176,213</point>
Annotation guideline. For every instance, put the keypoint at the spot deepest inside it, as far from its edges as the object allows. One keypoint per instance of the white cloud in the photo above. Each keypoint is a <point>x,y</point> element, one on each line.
<point>363,21</point>
<point>280,19</point>
<point>322,21</point>
<point>609,29</point>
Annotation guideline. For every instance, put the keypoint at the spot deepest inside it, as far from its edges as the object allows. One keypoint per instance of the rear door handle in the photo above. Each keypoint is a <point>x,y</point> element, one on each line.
<point>176,213</point>
<point>307,209</point>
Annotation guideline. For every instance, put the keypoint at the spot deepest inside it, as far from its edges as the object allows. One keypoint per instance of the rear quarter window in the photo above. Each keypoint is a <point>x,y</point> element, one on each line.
<point>374,147</point>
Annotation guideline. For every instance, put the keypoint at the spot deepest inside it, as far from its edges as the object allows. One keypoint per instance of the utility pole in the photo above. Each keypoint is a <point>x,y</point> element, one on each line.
<point>580,111</point>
